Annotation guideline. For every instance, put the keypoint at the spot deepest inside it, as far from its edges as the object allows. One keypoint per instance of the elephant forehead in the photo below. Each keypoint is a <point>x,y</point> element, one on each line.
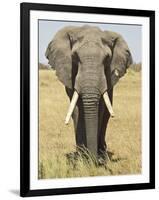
<point>91,33</point>
<point>91,51</point>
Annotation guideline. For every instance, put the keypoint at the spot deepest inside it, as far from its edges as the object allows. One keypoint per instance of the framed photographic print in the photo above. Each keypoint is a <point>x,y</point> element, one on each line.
<point>87,99</point>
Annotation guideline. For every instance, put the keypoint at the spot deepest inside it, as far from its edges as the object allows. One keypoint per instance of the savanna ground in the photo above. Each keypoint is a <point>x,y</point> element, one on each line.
<point>56,139</point>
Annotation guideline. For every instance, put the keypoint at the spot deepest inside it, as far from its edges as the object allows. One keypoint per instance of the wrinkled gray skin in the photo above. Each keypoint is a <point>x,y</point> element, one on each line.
<point>85,59</point>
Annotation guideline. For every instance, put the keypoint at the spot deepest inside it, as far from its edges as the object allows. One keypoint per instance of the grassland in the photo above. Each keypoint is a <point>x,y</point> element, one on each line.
<point>56,139</point>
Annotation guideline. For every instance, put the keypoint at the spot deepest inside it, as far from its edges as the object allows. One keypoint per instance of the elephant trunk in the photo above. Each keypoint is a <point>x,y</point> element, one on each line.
<point>90,105</point>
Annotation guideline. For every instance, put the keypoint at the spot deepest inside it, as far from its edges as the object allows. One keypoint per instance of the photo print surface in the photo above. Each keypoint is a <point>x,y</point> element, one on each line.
<point>90,120</point>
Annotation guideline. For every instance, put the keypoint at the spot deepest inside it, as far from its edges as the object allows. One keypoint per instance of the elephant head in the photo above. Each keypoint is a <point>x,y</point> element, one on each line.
<point>89,61</point>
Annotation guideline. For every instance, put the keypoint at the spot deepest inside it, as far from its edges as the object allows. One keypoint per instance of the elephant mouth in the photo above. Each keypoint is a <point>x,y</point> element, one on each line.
<point>75,99</point>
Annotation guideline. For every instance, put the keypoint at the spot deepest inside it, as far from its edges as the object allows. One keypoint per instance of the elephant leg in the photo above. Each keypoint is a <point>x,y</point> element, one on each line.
<point>102,125</point>
<point>79,123</point>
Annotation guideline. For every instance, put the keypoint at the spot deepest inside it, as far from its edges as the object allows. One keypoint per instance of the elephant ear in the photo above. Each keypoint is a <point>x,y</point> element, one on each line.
<point>59,54</point>
<point>121,56</point>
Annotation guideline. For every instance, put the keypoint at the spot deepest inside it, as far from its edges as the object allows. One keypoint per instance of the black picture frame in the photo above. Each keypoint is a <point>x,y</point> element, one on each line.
<point>25,9</point>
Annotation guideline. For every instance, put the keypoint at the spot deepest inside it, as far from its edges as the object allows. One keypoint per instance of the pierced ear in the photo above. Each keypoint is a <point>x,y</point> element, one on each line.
<point>121,58</point>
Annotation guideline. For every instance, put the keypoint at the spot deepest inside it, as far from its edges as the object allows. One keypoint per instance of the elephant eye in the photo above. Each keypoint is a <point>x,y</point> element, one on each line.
<point>72,39</point>
<point>104,41</point>
<point>80,38</point>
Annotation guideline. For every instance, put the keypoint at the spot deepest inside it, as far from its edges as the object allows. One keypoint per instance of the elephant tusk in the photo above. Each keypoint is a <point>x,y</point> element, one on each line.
<point>108,104</point>
<point>72,106</point>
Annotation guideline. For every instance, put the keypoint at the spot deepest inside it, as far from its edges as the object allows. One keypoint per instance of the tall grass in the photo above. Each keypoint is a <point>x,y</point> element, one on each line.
<point>57,141</point>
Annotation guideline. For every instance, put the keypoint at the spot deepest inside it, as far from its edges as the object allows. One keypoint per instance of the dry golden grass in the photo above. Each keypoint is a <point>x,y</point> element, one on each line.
<point>56,139</point>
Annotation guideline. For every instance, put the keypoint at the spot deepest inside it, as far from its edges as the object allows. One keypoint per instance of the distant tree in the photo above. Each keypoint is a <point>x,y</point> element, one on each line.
<point>43,66</point>
<point>136,67</point>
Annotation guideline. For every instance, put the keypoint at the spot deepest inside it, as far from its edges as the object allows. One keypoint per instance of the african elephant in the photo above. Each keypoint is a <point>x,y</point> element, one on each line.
<point>89,62</point>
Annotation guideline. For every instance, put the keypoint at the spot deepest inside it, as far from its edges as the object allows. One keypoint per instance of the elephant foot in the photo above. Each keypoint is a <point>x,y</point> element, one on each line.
<point>103,160</point>
<point>84,154</point>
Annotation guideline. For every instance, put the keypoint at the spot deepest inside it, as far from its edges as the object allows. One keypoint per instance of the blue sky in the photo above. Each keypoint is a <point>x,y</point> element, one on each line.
<point>131,33</point>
